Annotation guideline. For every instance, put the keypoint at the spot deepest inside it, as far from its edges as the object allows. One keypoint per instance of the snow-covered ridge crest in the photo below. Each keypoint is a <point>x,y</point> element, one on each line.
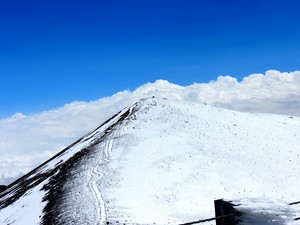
<point>165,162</point>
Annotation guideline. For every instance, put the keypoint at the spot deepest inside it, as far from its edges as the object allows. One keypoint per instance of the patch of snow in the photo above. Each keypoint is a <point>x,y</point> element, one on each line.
<point>26,210</point>
<point>263,210</point>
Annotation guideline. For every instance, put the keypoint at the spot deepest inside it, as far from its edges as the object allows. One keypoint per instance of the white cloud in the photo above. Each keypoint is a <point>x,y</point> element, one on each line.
<point>26,141</point>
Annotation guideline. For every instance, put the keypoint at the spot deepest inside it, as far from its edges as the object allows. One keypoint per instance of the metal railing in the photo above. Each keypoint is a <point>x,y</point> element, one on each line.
<point>231,215</point>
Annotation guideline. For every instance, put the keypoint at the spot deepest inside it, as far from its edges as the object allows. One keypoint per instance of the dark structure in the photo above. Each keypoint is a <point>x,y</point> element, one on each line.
<point>225,213</point>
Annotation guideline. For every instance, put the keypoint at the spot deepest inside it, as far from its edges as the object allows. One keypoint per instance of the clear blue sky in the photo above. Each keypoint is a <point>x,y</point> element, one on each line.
<point>56,51</point>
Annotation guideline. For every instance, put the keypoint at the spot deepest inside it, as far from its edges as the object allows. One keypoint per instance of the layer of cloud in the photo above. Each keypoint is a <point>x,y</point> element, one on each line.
<point>26,141</point>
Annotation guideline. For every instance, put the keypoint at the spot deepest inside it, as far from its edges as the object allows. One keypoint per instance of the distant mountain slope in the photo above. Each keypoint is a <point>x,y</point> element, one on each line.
<point>160,161</point>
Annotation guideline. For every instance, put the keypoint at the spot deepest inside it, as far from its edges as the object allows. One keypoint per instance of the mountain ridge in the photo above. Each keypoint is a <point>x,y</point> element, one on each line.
<point>163,140</point>
<point>32,178</point>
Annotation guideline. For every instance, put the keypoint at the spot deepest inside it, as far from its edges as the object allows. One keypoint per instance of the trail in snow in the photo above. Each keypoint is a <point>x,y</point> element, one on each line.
<point>101,215</point>
<point>108,150</point>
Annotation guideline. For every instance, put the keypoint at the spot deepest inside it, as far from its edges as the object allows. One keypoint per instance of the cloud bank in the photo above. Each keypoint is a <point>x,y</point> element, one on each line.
<point>26,141</point>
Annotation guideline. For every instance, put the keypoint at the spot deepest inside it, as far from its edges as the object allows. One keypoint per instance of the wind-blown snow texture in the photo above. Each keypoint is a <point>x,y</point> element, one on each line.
<point>262,210</point>
<point>161,161</point>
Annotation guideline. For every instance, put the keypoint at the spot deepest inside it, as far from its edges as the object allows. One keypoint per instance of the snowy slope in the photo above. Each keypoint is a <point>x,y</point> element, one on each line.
<point>31,199</point>
<point>164,162</point>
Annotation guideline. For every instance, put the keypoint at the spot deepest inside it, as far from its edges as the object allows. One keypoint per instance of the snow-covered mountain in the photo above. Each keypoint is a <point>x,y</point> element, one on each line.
<point>164,162</point>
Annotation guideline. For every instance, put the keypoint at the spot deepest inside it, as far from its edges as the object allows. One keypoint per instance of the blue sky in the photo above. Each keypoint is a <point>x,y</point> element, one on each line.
<point>53,52</point>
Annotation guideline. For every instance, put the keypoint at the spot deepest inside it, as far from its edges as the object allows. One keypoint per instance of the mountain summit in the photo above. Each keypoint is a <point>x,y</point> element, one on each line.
<point>160,161</point>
